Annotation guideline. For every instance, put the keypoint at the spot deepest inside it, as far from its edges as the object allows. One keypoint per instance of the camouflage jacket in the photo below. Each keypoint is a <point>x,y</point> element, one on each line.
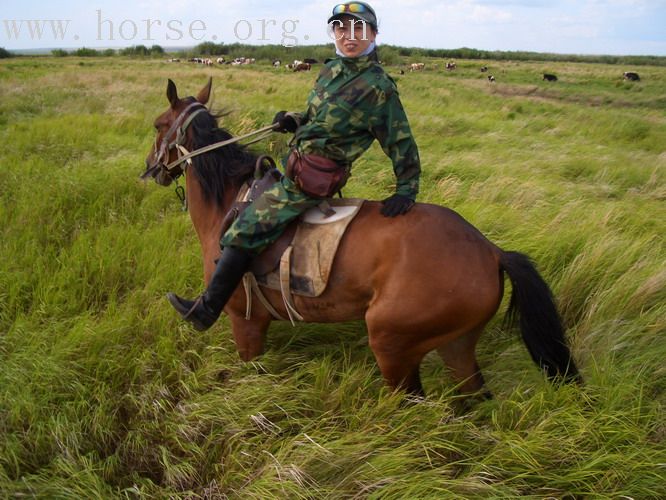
<point>354,102</point>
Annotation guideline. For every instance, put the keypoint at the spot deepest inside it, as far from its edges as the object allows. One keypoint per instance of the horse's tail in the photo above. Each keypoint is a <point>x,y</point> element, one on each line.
<point>533,305</point>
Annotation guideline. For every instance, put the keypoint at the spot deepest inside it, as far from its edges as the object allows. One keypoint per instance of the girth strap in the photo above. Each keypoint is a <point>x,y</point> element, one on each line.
<point>285,288</point>
<point>251,286</point>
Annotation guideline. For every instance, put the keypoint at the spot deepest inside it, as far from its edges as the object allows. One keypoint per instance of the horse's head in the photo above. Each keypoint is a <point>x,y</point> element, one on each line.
<point>172,134</point>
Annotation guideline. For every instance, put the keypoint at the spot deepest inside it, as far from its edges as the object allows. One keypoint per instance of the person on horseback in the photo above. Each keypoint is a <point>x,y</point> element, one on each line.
<point>353,102</point>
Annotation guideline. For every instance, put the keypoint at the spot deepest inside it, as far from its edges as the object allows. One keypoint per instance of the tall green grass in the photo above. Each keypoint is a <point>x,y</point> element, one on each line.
<point>105,393</point>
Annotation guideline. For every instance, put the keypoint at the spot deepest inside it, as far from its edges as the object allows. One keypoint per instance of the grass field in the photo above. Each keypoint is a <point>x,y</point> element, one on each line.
<point>105,393</point>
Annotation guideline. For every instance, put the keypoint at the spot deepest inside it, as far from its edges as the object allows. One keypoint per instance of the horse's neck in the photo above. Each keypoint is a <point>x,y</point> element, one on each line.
<point>207,219</point>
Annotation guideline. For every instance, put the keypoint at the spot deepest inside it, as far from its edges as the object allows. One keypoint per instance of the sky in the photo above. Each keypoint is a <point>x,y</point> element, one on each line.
<point>616,27</point>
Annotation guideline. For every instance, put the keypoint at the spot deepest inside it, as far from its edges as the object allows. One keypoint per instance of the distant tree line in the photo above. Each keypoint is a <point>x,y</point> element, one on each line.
<point>391,54</point>
<point>388,54</point>
<point>136,50</point>
<point>499,55</point>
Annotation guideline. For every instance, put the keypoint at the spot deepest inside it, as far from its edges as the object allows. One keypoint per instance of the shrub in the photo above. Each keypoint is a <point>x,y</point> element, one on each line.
<point>86,52</point>
<point>136,50</point>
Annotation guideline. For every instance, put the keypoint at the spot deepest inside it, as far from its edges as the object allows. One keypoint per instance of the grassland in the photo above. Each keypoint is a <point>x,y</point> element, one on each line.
<point>104,393</point>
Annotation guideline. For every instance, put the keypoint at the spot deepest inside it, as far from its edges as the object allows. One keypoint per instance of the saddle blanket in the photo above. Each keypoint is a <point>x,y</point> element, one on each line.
<point>306,263</point>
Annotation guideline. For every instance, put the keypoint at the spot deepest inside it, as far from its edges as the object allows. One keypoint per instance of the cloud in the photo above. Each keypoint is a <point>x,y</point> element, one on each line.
<point>483,14</point>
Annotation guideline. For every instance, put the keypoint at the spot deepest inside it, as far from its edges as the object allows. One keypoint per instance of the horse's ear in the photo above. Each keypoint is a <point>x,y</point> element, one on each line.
<point>204,93</point>
<point>172,94</point>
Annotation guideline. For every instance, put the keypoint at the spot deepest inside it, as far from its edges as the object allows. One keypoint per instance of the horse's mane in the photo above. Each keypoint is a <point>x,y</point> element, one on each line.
<point>221,168</point>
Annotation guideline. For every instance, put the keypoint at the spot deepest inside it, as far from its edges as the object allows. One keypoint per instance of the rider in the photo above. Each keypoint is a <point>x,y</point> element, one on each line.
<point>353,102</point>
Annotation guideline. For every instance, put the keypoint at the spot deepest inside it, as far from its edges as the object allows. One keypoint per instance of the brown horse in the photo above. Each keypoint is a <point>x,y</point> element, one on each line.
<point>422,281</point>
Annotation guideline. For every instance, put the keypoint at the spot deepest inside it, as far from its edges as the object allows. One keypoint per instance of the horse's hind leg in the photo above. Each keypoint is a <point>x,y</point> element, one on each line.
<point>460,358</point>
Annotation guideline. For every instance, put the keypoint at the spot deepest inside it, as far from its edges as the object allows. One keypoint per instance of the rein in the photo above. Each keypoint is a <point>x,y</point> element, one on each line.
<point>263,133</point>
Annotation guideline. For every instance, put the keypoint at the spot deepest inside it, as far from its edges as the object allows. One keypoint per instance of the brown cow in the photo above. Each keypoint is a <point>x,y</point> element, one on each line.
<point>303,66</point>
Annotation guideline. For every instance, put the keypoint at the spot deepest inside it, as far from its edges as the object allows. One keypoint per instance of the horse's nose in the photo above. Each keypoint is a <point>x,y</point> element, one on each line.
<point>150,170</point>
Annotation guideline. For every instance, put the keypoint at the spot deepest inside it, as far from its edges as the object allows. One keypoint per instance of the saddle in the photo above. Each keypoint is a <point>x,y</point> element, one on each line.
<point>299,262</point>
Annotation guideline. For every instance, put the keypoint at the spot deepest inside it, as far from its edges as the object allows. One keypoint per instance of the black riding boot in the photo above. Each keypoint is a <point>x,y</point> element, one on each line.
<point>204,310</point>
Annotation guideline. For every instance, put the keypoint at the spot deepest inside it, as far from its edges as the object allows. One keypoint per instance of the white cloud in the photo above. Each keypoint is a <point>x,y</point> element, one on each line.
<point>483,14</point>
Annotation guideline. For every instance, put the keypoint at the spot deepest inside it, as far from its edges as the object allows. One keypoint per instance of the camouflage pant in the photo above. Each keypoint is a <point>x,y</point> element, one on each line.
<point>264,220</point>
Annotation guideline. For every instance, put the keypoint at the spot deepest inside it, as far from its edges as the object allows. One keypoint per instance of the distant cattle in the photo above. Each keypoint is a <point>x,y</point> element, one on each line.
<point>310,61</point>
<point>451,66</point>
<point>291,66</point>
<point>302,66</point>
<point>629,75</point>
<point>243,60</point>
<point>491,78</point>
<point>220,60</point>
<point>416,66</point>
<point>276,63</point>
<point>201,60</point>
<point>484,69</point>
<point>549,78</point>
<point>402,71</point>
<point>174,59</point>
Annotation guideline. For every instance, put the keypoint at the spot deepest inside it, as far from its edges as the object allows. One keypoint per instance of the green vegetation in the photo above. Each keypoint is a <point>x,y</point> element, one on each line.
<point>136,50</point>
<point>104,393</point>
<point>142,50</point>
<point>4,53</point>
<point>500,55</point>
<point>389,54</point>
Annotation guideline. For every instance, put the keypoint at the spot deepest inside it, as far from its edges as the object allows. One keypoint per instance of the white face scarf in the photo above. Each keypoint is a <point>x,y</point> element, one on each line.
<point>366,52</point>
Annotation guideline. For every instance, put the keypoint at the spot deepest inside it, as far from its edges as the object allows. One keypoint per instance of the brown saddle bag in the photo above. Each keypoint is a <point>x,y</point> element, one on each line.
<point>316,175</point>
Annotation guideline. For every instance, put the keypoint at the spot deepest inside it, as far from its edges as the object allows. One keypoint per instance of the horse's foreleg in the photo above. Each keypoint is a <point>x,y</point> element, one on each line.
<point>399,368</point>
<point>250,336</point>
<point>401,374</point>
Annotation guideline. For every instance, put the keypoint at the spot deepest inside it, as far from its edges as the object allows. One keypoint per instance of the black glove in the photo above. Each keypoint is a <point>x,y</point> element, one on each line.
<point>284,123</point>
<point>397,204</point>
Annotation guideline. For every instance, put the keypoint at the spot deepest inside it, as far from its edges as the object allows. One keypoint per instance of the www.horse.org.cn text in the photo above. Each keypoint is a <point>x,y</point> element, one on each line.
<point>109,29</point>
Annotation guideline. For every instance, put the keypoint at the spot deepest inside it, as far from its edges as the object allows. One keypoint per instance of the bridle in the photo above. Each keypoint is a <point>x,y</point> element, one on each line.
<point>179,127</point>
